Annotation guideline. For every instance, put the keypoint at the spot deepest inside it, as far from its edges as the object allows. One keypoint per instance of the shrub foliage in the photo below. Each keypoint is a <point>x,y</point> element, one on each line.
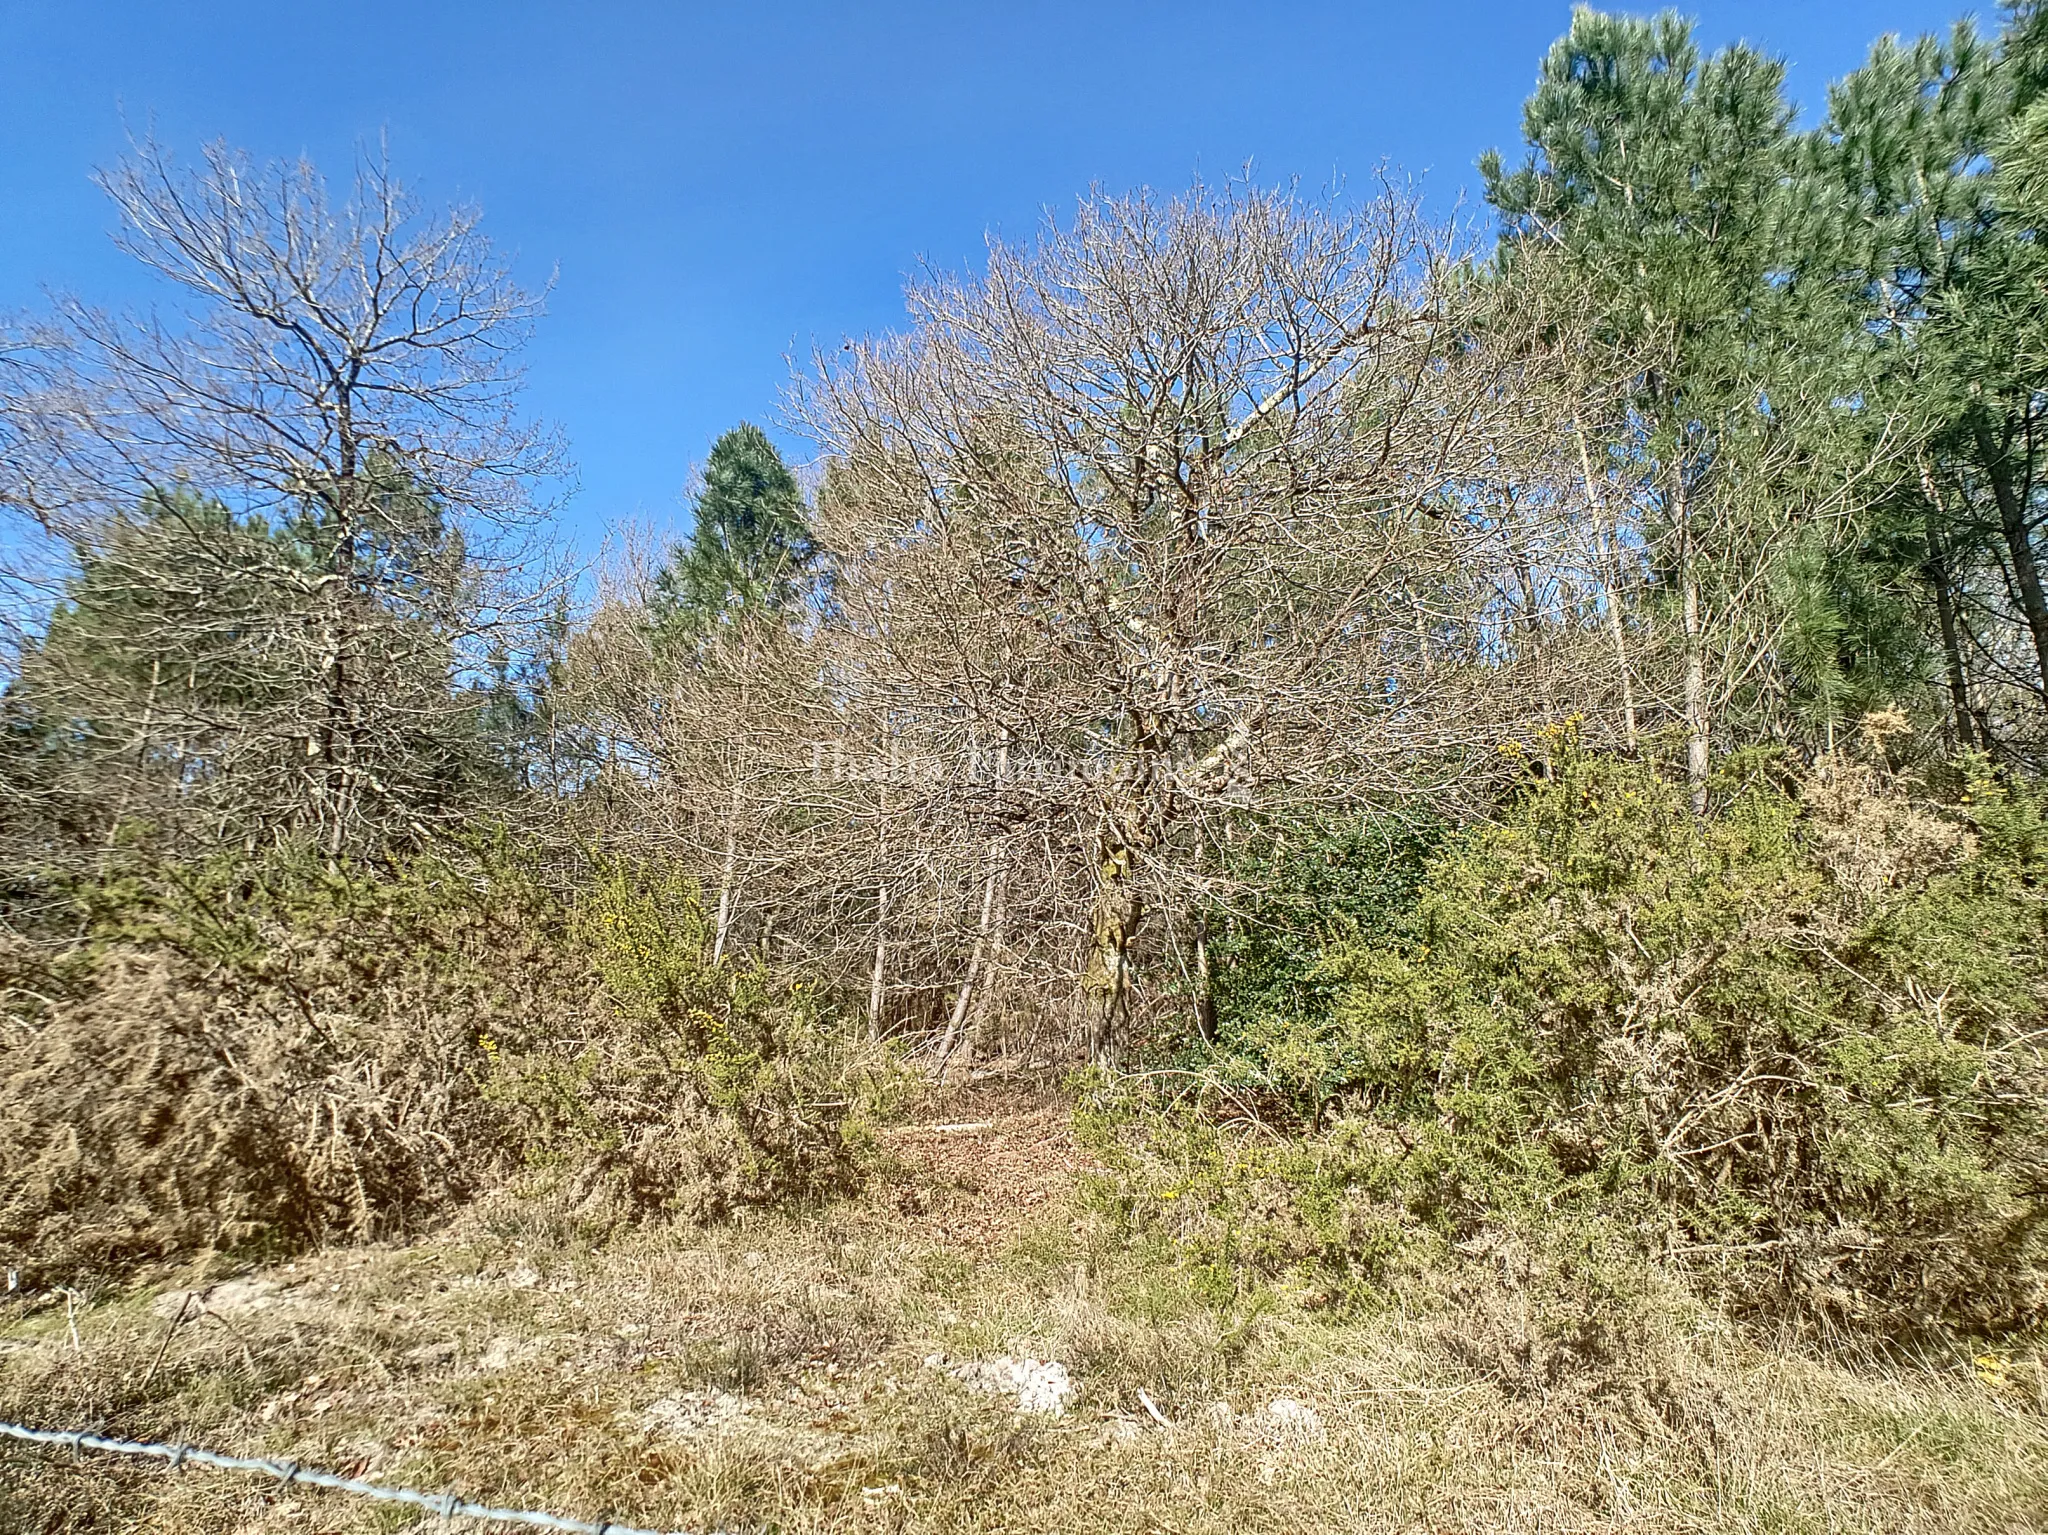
<point>1795,1044</point>
<point>259,1054</point>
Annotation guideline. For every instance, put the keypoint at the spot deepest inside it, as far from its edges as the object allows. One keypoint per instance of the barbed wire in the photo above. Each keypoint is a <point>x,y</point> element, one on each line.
<point>291,1473</point>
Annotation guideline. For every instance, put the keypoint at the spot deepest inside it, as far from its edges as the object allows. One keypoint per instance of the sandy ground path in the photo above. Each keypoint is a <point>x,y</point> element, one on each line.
<point>987,1160</point>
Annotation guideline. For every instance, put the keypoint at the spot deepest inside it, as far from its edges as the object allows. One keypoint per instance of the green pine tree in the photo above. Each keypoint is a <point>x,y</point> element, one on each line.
<point>1931,162</point>
<point>1665,183</point>
<point>751,552</point>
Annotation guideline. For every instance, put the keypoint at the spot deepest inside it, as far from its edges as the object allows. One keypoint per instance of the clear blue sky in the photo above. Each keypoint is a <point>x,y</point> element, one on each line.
<point>720,185</point>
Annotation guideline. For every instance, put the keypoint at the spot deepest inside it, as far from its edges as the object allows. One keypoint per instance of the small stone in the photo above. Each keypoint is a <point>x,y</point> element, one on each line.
<point>1293,1420</point>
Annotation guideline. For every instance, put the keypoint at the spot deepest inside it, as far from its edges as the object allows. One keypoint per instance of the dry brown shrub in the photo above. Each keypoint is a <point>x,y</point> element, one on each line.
<point>693,1160</point>
<point>1869,836</point>
<point>148,1109</point>
<point>1577,1326</point>
<point>259,1056</point>
<point>129,1132</point>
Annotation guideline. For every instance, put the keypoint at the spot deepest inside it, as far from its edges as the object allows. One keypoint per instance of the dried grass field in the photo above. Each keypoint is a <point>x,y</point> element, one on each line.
<point>868,1367</point>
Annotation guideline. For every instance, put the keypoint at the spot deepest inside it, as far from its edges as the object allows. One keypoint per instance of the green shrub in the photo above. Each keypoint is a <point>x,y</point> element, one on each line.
<point>701,1088</point>
<point>1796,1043</point>
<point>1306,882</point>
<point>1186,1170</point>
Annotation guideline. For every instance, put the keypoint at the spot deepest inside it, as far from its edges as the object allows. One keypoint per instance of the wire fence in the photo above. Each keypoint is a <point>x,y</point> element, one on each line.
<point>290,1473</point>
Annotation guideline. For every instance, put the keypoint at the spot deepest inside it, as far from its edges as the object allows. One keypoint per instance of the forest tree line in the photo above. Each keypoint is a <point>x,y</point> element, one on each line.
<point>1161,599</point>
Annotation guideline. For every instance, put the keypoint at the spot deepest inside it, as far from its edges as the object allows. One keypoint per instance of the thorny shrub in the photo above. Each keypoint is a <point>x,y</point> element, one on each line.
<point>703,1088</point>
<point>1795,1045</point>
<point>262,1052</point>
<point>257,1054</point>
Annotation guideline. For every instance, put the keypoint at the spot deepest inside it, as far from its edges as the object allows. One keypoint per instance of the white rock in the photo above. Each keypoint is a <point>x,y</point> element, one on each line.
<point>1291,1419</point>
<point>1039,1385</point>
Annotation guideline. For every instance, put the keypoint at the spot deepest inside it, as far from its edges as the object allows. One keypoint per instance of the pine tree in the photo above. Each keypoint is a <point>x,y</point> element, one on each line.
<point>1932,158</point>
<point>185,678</point>
<point>751,552</point>
<point>1665,183</point>
<point>1892,175</point>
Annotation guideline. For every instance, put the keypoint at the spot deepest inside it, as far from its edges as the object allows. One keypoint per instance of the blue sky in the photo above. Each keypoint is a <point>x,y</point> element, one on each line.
<point>717,186</point>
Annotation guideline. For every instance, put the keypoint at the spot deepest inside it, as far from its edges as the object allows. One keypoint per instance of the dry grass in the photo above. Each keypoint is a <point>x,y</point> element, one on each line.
<point>774,1372</point>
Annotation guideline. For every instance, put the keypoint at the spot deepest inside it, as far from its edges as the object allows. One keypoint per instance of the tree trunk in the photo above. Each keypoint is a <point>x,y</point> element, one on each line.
<point>875,979</point>
<point>142,739</point>
<point>1205,991</point>
<point>726,871</point>
<point>1697,728</point>
<point>337,736</point>
<point>1945,610</point>
<point>1608,552</point>
<point>1525,578</point>
<point>2012,522</point>
<point>1106,982</point>
<point>956,1028</point>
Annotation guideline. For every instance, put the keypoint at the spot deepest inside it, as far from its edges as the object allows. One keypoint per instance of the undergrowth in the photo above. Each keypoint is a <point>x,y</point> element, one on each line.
<point>250,1055</point>
<point>1792,1049</point>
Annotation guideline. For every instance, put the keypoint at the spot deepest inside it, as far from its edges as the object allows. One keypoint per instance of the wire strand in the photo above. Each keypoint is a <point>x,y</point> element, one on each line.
<point>290,1472</point>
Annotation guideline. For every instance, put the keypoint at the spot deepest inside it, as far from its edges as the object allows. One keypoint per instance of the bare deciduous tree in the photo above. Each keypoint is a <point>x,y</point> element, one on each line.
<point>1181,506</point>
<point>322,441</point>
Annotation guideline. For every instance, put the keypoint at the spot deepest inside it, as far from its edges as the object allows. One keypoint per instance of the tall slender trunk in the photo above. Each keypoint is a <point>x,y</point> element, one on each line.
<point>1697,725</point>
<point>1205,989</point>
<point>1525,578</point>
<point>957,1026</point>
<point>1421,636</point>
<point>876,987</point>
<point>2012,523</point>
<point>337,733</point>
<point>1945,609</point>
<point>142,739</point>
<point>993,968</point>
<point>876,977</point>
<point>1951,643</point>
<point>727,869</point>
<point>1607,549</point>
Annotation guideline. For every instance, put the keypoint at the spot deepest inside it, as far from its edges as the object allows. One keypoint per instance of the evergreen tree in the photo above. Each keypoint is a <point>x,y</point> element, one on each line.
<point>186,680</point>
<point>1663,182</point>
<point>751,552</point>
<point>1893,175</point>
<point>1930,159</point>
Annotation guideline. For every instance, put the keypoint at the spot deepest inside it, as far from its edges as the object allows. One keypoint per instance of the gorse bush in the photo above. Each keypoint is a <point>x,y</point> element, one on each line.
<point>261,1054</point>
<point>703,1088</point>
<point>264,1052</point>
<point>1190,1174</point>
<point>1795,1044</point>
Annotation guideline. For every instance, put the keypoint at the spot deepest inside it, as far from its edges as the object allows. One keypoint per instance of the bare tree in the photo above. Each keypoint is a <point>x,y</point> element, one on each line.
<point>321,441</point>
<point>1184,505</point>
